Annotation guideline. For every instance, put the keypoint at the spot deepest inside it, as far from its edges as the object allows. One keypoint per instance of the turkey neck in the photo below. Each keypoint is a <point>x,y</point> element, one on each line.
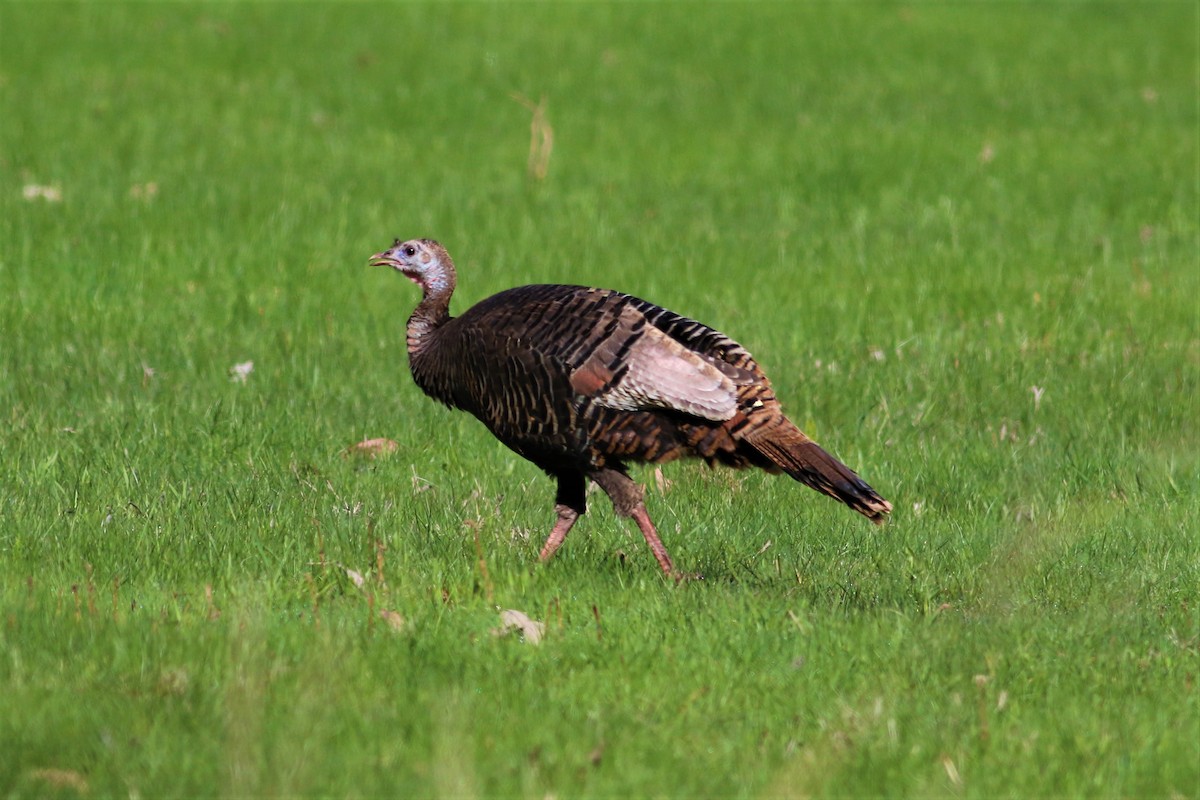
<point>424,326</point>
<point>430,314</point>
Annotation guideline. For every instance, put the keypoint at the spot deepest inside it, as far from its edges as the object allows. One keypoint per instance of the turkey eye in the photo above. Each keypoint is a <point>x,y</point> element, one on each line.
<point>410,251</point>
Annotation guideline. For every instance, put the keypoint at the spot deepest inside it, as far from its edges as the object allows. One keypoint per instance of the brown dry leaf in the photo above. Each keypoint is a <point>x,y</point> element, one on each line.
<point>355,577</point>
<point>513,620</point>
<point>393,618</point>
<point>62,779</point>
<point>371,448</point>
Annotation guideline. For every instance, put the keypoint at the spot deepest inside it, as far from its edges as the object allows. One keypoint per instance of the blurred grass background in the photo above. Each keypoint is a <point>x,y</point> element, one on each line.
<point>961,238</point>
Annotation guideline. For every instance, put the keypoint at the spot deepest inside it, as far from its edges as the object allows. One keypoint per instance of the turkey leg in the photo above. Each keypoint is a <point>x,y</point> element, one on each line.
<point>570,503</point>
<point>626,496</point>
<point>566,518</point>
<point>642,518</point>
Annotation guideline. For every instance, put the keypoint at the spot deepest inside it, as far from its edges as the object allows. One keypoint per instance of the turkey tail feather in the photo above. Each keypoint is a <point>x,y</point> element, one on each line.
<point>804,460</point>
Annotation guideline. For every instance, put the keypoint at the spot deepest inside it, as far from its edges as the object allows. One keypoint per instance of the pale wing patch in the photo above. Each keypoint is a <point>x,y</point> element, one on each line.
<point>655,372</point>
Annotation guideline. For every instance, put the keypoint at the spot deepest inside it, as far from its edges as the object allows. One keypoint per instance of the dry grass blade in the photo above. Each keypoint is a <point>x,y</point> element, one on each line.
<point>541,136</point>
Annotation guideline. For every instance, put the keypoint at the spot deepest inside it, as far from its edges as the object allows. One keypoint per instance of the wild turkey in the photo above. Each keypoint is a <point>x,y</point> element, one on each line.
<point>584,381</point>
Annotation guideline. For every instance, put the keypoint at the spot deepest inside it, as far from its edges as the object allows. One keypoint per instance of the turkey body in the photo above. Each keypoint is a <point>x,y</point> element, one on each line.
<point>583,382</point>
<point>533,364</point>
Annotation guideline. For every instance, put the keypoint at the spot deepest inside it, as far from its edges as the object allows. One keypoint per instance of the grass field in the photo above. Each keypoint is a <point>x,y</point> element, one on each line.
<point>961,238</point>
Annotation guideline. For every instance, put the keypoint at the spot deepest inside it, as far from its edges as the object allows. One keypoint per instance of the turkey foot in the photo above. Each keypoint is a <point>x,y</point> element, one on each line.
<point>566,518</point>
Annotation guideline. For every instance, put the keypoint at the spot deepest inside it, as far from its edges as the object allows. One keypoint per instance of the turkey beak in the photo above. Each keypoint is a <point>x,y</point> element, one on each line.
<point>384,259</point>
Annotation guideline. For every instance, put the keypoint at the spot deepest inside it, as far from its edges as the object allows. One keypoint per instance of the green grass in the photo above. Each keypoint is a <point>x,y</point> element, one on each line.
<point>912,214</point>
